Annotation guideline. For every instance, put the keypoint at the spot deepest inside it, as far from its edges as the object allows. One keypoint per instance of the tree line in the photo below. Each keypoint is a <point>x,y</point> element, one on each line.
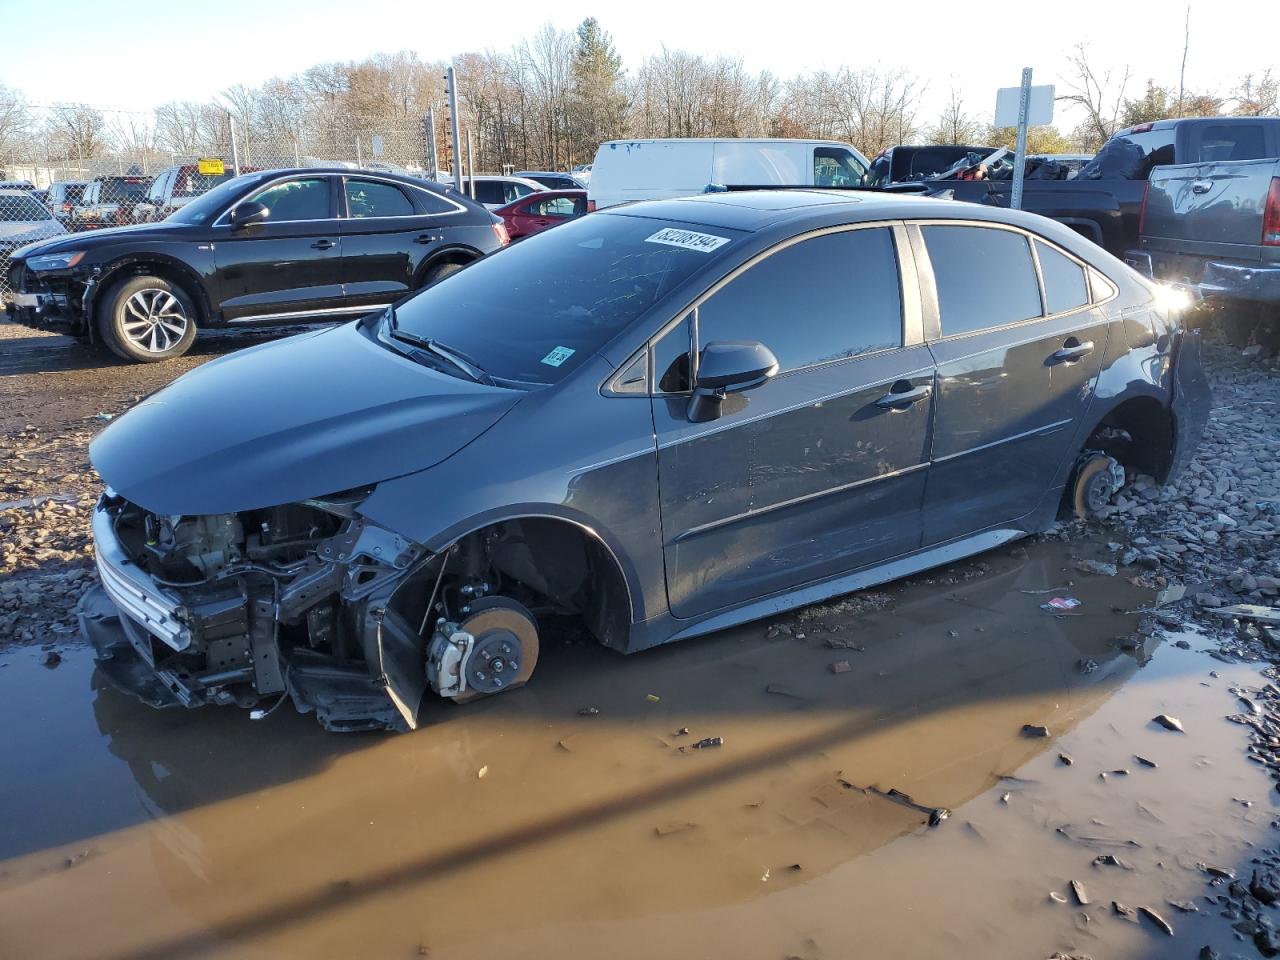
<point>548,102</point>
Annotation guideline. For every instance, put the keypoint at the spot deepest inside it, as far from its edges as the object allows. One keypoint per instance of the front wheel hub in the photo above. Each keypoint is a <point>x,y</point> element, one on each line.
<point>494,662</point>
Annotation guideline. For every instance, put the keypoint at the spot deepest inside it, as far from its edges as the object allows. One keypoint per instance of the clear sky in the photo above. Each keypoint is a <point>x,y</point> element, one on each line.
<point>144,52</point>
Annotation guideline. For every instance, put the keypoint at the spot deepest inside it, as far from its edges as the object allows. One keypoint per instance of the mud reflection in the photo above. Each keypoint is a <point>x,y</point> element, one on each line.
<point>516,824</point>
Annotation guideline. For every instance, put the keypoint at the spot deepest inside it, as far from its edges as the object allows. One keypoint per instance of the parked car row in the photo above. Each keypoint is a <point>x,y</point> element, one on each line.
<point>661,419</point>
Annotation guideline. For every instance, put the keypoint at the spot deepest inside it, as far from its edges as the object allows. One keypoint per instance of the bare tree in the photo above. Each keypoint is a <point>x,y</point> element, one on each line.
<point>16,125</point>
<point>77,131</point>
<point>1098,93</point>
<point>954,125</point>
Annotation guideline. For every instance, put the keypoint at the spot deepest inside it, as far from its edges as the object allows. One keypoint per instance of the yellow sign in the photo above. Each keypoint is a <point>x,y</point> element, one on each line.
<point>211,167</point>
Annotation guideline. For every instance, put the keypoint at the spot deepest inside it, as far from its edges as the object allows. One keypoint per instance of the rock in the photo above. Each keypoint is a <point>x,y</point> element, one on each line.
<point>1097,567</point>
<point>841,666</point>
<point>1156,919</point>
<point>1086,665</point>
<point>1123,912</point>
<point>1208,953</point>
<point>1267,942</point>
<point>1168,722</point>
<point>1032,730</point>
<point>1183,906</point>
<point>1080,893</point>
<point>1145,762</point>
<point>1265,888</point>
<point>1111,860</point>
<point>1065,759</point>
<point>51,659</point>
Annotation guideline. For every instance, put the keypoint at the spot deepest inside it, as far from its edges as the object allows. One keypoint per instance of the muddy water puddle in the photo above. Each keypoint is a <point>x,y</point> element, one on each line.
<point>518,828</point>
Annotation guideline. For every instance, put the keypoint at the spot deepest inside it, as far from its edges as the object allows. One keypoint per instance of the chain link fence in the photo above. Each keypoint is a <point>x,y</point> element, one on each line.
<point>84,168</point>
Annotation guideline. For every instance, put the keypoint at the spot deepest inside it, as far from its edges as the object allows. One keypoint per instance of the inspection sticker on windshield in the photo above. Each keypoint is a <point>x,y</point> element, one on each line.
<point>558,356</point>
<point>688,240</point>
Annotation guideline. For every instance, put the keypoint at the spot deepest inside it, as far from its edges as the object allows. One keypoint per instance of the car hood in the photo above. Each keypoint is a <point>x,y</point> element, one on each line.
<point>16,233</point>
<point>299,418</point>
<point>97,238</point>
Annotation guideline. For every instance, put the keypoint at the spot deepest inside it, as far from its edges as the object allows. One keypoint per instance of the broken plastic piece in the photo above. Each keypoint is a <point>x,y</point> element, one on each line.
<point>1060,603</point>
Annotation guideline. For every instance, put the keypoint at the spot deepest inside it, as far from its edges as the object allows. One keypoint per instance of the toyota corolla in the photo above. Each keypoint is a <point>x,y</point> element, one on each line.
<point>661,420</point>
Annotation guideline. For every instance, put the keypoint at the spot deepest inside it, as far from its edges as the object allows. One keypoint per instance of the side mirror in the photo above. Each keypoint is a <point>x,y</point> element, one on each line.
<point>728,366</point>
<point>245,214</point>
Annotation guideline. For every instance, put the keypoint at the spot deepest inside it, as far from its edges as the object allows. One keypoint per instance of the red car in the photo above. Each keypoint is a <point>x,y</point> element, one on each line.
<point>540,211</point>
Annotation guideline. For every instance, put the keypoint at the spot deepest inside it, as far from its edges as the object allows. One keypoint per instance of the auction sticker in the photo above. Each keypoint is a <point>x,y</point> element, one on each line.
<point>688,240</point>
<point>558,356</point>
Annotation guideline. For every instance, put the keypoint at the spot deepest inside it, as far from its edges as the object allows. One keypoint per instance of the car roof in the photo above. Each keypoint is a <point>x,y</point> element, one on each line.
<point>15,191</point>
<point>753,210</point>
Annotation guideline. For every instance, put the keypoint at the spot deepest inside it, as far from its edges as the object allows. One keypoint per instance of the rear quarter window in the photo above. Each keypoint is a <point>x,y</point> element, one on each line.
<point>985,277</point>
<point>1231,141</point>
<point>1065,287</point>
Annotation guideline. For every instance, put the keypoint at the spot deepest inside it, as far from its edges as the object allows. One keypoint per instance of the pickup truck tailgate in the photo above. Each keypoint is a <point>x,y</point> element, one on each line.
<point>1209,209</point>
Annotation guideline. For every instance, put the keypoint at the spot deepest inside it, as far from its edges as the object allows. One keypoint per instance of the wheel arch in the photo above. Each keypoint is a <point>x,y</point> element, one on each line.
<point>153,264</point>
<point>609,579</point>
<point>1148,419</point>
<point>458,253</point>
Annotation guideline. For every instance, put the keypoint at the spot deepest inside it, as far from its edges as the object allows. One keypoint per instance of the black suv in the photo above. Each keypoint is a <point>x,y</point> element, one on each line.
<point>277,246</point>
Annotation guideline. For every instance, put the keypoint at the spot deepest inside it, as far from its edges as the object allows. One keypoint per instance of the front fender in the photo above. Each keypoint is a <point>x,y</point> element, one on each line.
<point>120,266</point>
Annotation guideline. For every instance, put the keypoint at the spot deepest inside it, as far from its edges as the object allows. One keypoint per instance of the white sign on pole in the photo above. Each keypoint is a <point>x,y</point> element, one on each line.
<point>1039,106</point>
<point>377,145</point>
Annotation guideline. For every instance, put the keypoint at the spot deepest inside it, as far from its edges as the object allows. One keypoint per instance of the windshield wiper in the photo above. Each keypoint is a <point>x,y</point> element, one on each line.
<point>454,357</point>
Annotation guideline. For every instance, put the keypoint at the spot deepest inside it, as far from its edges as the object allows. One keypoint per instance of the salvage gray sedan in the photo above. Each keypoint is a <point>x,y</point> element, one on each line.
<point>661,420</point>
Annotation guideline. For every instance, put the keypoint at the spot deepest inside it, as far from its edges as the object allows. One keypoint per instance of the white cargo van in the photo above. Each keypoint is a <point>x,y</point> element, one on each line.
<point>626,170</point>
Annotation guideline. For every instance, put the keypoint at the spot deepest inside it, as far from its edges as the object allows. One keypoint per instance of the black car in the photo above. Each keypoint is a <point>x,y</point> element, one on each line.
<point>663,419</point>
<point>271,247</point>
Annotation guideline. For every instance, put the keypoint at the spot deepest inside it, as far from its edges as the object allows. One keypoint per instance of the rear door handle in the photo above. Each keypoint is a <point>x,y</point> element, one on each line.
<point>1071,351</point>
<point>1201,186</point>
<point>323,245</point>
<point>897,399</point>
<point>427,238</point>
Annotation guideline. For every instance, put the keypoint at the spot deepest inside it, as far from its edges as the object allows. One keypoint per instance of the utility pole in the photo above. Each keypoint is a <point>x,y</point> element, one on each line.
<point>471,167</point>
<point>235,146</point>
<point>451,86</point>
<point>429,140</point>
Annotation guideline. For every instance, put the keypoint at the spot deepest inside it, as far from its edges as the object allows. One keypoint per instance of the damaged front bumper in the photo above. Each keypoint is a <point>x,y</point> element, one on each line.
<point>309,602</point>
<point>54,302</point>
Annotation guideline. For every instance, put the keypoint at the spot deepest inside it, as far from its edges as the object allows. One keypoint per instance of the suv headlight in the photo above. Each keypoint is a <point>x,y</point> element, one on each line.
<point>55,261</point>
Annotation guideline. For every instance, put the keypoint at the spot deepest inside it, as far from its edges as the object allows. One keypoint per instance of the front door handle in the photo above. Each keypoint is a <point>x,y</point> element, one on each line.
<point>323,245</point>
<point>1201,186</point>
<point>1072,351</point>
<point>901,399</point>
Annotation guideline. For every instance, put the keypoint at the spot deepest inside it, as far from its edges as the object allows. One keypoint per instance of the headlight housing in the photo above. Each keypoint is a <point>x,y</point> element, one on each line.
<point>55,261</point>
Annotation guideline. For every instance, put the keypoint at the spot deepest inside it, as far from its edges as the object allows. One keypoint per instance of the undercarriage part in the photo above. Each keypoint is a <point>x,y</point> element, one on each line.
<point>1098,478</point>
<point>492,650</point>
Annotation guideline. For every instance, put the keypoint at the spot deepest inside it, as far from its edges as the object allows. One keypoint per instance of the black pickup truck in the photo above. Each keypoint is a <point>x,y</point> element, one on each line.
<point>1104,200</point>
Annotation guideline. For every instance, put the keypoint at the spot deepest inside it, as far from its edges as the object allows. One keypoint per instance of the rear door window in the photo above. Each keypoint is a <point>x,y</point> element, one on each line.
<point>985,277</point>
<point>489,191</point>
<point>1065,287</point>
<point>374,198</point>
<point>826,298</point>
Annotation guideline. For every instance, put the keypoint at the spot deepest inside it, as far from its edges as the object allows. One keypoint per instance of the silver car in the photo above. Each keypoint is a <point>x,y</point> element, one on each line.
<point>23,220</point>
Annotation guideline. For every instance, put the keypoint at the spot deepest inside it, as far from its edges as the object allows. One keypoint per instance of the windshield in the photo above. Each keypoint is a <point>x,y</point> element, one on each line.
<point>214,202</point>
<point>16,209</point>
<point>191,183</point>
<point>537,310</point>
<point>122,191</point>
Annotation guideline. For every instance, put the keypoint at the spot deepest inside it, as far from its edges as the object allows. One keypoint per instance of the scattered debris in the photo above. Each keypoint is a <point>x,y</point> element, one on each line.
<point>935,814</point>
<point>1145,762</point>
<point>652,697</point>
<point>1080,893</point>
<point>706,742</point>
<point>1065,759</point>
<point>1183,906</point>
<point>1056,897</point>
<point>1086,665</point>
<point>841,666</point>
<point>1252,611</point>
<point>1034,730</point>
<point>481,772</point>
<point>1168,722</point>
<point>589,712</point>
<point>765,878</point>
<point>682,732</point>
<point>674,826</point>
<point>1111,860</point>
<point>783,691</point>
<point>1058,604</point>
<point>1219,873</point>
<point>51,659</point>
<point>840,643</point>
